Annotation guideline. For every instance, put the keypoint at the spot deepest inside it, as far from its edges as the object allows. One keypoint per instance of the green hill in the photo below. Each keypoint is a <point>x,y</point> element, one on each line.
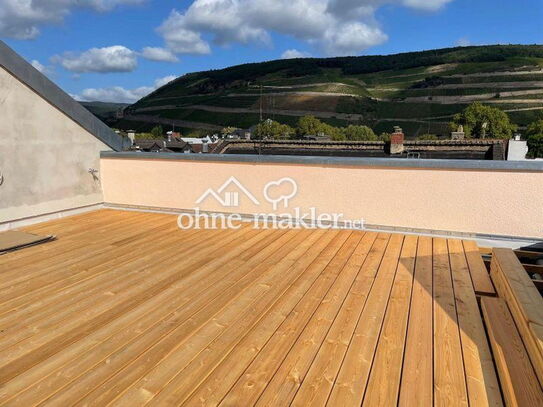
<point>104,110</point>
<point>419,91</point>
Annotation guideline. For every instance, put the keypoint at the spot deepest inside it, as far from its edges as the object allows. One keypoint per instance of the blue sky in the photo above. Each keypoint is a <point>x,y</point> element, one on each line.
<point>119,50</point>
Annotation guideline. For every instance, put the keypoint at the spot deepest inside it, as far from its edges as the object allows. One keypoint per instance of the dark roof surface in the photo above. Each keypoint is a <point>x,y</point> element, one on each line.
<point>151,144</point>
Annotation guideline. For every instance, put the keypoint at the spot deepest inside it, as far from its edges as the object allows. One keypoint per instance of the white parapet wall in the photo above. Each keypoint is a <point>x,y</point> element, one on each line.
<point>479,198</point>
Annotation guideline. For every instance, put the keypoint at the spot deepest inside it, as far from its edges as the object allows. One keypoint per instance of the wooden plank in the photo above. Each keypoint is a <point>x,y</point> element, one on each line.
<point>352,378</point>
<point>286,381</point>
<point>525,293</point>
<point>79,280</point>
<point>449,377</point>
<point>79,236</point>
<point>478,271</point>
<point>482,383</point>
<point>252,383</point>
<point>362,247</point>
<point>521,254</point>
<point>67,248</point>
<point>518,380</point>
<point>55,325</point>
<point>216,386</point>
<point>384,382</point>
<point>195,295</point>
<point>18,358</point>
<point>533,268</point>
<point>158,341</point>
<point>417,385</point>
<point>516,292</point>
<point>318,382</point>
<point>173,380</point>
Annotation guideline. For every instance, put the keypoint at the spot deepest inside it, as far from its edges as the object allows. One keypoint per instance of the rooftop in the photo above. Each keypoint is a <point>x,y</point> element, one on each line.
<point>126,308</point>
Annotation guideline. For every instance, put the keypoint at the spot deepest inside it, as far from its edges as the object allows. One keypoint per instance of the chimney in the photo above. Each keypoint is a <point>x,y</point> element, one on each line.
<point>205,147</point>
<point>132,136</point>
<point>396,141</point>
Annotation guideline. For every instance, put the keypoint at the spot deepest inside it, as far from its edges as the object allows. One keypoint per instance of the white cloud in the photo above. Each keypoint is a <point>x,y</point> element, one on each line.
<point>114,94</point>
<point>164,81</point>
<point>180,39</point>
<point>463,42</point>
<point>335,27</point>
<point>119,94</point>
<point>426,5</point>
<point>348,38</point>
<point>294,53</point>
<point>158,54</point>
<point>21,19</point>
<point>366,8</point>
<point>103,60</point>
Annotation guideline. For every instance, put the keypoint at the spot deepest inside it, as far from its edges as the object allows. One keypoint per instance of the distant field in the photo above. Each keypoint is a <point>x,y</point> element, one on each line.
<point>244,120</point>
<point>415,110</point>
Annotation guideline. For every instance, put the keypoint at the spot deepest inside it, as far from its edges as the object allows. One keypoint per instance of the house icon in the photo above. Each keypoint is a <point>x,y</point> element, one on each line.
<point>228,199</point>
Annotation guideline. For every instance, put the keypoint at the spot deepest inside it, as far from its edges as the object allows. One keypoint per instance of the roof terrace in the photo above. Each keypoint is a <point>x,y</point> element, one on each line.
<point>124,308</point>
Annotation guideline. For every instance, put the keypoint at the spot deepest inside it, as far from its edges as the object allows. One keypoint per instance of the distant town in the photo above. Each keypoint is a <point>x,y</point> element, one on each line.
<point>480,132</point>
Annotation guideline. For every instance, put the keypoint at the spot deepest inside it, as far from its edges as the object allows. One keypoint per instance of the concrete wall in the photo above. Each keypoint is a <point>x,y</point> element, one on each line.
<point>44,156</point>
<point>501,198</point>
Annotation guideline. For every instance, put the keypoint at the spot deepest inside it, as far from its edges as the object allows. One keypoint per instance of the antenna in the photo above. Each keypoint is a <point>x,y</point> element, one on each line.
<point>260,102</point>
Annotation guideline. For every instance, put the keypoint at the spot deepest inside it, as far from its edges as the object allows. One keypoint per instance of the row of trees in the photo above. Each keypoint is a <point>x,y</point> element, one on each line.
<point>311,126</point>
<point>478,121</point>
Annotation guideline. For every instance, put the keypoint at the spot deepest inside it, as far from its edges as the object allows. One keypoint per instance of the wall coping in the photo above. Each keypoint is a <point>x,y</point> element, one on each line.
<point>40,84</point>
<point>483,165</point>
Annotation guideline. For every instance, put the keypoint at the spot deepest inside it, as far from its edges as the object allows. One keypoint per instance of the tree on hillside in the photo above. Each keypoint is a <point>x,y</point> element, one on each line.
<point>385,137</point>
<point>359,133</point>
<point>484,121</point>
<point>197,133</point>
<point>534,135</point>
<point>228,130</point>
<point>311,126</point>
<point>276,130</point>
<point>157,132</point>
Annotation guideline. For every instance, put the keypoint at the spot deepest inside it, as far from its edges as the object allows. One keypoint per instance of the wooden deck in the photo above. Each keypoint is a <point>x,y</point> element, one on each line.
<point>126,309</point>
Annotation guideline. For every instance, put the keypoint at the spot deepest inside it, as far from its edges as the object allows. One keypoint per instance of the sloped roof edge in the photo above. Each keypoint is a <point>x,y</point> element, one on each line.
<point>40,84</point>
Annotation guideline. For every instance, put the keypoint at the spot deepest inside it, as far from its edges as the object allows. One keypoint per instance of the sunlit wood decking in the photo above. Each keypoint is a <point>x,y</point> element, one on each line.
<point>126,309</point>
